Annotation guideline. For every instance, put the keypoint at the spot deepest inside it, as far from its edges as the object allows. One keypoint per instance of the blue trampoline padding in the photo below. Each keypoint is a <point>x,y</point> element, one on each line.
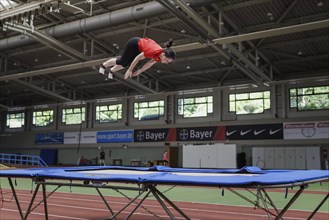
<point>246,176</point>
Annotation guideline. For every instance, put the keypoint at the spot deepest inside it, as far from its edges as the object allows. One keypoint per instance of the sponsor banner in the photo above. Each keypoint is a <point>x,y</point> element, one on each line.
<point>88,137</point>
<point>254,132</point>
<point>306,130</point>
<point>200,133</point>
<point>151,135</point>
<point>119,136</point>
<point>49,138</point>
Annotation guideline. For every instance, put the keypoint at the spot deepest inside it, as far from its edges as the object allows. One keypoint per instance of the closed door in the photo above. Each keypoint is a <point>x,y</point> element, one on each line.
<point>208,156</point>
<point>300,158</point>
<point>290,159</point>
<point>173,156</point>
<point>191,156</point>
<point>269,158</point>
<point>258,157</point>
<point>227,156</point>
<point>313,158</point>
<point>279,159</point>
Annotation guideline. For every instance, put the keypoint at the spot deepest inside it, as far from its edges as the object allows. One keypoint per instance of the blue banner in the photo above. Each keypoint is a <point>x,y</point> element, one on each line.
<point>115,136</point>
<point>49,138</point>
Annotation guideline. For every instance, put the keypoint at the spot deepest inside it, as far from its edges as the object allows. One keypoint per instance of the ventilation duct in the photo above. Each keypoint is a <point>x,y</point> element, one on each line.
<point>118,17</point>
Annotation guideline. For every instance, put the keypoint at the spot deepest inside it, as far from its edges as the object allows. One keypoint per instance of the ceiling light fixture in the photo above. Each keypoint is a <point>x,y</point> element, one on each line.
<point>270,16</point>
<point>115,45</point>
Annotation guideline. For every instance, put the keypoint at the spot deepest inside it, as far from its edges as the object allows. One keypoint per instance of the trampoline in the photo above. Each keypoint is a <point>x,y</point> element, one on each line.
<point>145,180</point>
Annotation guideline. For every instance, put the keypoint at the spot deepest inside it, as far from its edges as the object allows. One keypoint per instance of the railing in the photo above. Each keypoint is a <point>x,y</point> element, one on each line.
<point>22,160</point>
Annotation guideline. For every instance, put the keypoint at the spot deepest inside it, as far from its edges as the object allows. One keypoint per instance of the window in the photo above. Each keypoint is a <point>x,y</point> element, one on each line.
<point>195,106</point>
<point>108,113</point>
<point>15,120</point>
<point>149,110</point>
<point>309,98</point>
<point>249,103</point>
<point>73,116</point>
<point>43,118</point>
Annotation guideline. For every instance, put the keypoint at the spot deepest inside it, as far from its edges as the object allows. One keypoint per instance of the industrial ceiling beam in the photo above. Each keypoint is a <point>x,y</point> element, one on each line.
<point>122,16</point>
<point>191,18</point>
<point>283,15</point>
<point>128,82</point>
<point>70,52</point>
<point>49,42</point>
<point>68,67</point>
<point>273,32</point>
<point>23,8</point>
<point>4,106</point>
<point>42,91</point>
<point>178,48</point>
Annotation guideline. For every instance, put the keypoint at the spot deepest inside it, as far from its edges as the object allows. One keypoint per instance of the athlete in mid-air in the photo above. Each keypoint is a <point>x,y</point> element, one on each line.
<point>136,50</point>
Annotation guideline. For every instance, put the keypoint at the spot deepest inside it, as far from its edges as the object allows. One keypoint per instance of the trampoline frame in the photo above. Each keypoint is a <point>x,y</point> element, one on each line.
<point>263,200</point>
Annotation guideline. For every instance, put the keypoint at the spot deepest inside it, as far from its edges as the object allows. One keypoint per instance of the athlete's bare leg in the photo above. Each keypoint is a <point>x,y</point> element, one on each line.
<point>116,68</point>
<point>110,62</point>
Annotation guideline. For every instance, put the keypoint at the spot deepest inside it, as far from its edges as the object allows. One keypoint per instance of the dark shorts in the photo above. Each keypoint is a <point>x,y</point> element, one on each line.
<point>129,52</point>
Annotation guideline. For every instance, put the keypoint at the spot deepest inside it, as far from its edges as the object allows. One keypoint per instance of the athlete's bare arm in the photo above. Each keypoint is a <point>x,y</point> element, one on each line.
<point>138,58</point>
<point>147,65</point>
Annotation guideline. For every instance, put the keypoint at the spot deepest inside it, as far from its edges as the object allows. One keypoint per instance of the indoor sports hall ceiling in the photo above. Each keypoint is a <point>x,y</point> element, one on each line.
<point>50,50</point>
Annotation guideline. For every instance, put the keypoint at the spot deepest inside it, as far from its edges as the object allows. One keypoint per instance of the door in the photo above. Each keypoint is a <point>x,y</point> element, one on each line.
<point>258,157</point>
<point>300,158</point>
<point>208,156</point>
<point>279,159</point>
<point>269,158</point>
<point>173,156</point>
<point>191,156</point>
<point>289,158</point>
<point>227,156</point>
<point>313,158</point>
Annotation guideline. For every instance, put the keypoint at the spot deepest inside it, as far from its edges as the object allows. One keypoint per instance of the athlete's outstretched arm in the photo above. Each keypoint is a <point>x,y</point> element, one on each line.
<point>145,67</point>
<point>138,58</point>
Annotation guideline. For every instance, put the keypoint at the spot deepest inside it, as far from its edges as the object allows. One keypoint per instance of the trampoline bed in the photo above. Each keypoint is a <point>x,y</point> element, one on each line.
<point>146,179</point>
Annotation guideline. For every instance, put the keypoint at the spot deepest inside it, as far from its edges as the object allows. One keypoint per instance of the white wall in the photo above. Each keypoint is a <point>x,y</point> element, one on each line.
<point>209,156</point>
<point>299,158</point>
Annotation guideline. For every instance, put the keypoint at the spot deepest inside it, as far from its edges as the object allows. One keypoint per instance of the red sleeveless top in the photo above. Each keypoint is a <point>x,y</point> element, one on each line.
<point>150,49</point>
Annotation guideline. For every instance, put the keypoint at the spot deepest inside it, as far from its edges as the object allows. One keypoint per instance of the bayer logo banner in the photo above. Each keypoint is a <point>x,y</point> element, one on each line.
<point>200,133</point>
<point>254,132</point>
<point>180,134</point>
<point>151,135</point>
